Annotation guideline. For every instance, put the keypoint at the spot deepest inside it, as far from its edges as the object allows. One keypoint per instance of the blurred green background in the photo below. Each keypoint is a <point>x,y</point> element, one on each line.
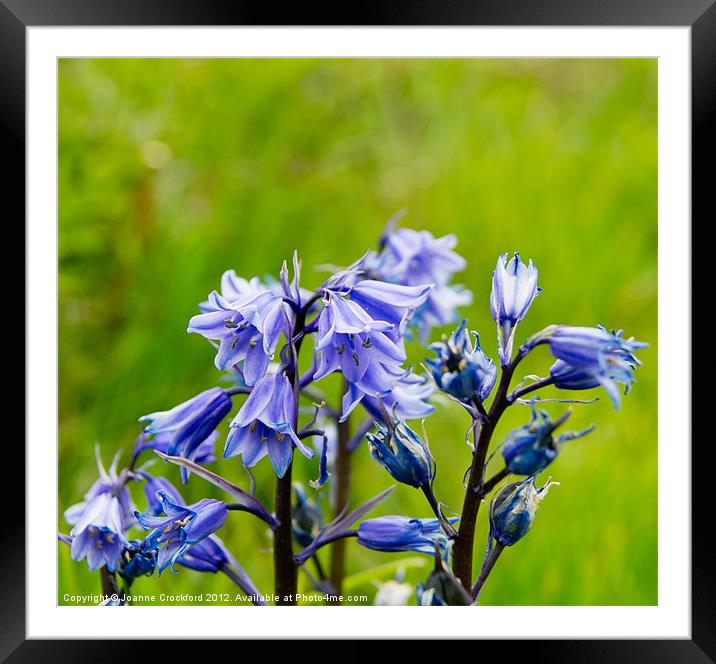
<point>172,171</point>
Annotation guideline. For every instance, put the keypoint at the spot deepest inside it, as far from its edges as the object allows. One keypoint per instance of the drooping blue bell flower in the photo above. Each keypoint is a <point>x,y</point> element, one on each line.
<point>247,321</point>
<point>408,399</point>
<point>513,509</point>
<point>184,428</point>
<point>529,449</point>
<point>138,559</point>
<point>413,258</point>
<point>266,425</point>
<point>514,287</point>
<point>460,369</point>
<point>101,519</point>
<point>400,450</point>
<point>395,534</point>
<point>209,555</point>
<point>181,527</point>
<point>591,356</point>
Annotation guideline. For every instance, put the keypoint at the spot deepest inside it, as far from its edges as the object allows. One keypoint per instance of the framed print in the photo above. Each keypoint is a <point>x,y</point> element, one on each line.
<point>368,325</point>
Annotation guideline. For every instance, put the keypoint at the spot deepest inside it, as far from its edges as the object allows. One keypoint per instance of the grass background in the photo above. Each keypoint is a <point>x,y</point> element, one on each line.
<point>172,171</point>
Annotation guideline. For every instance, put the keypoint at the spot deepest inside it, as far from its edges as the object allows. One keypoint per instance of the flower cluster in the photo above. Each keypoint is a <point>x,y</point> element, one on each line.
<point>356,325</point>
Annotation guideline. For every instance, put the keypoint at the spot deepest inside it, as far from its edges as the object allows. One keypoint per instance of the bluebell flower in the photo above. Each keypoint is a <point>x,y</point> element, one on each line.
<point>306,517</point>
<point>531,448</point>
<point>513,509</point>
<point>413,258</point>
<point>401,452</point>
<point>460,369</point>
<point>189,424</point>
<point>408,399</point>
<point>266,425</point>
<point>247,328</point>
<point>395,534</point>
<point>100,520</point>
<point>181,527</point>
<point>514,287</point>
<point>401,391</point>
<point>209,555</point>
<point>139,558</point>
<point>152,486</point>
<point>203,454</point>
<point>591,356</point>
<point>359,332</point>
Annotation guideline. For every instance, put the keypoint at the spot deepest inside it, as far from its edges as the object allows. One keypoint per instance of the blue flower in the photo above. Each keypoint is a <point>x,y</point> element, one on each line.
<point>413,258</point>
<point>408,399</point>
<point>514,287</point>
<point>189,425</point>
<point>138,559</point>
<point>266,425</point>
<point>513,509</point>
<point>395,534</point>
<point>100,520</point>
<point>461,370</point>
<point>153,485</point>
<point>203,454</point>
<point>531,448</point>
<point>247,328</point>
<point>182,527</point>
<point>209,555</point>
<point>591,356</point>
<point>352,341</point>
<point>401,452</point>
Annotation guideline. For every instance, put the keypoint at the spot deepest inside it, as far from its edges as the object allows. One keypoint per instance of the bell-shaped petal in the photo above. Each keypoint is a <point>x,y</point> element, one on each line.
<point>514,287</point>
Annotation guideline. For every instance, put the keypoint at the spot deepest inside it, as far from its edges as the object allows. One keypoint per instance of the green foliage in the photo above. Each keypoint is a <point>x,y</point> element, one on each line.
<point>172,171</point>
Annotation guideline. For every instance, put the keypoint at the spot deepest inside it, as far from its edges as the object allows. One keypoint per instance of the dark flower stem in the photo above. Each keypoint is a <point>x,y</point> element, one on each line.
<point>486,569</point>
<point>285,570</point>
<point>489,485</point>
<point>284,566</point>
<point>109,581</point>
<point>342,479</point>
<point>518,394</point>
<point>435,506</point>
<point>483,430</point>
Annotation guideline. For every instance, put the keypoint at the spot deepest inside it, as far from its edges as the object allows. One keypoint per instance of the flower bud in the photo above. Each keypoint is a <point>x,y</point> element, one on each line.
<point>513,509</point>
<point>461,370</point>
<point>442,588</point>
<point>307,519</point>
<point>531,448</point>
<point>401,452</point>
<point>514,287</point>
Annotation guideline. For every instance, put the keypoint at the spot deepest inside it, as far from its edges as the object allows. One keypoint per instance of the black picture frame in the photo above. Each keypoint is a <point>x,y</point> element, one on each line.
<point>699,15</point>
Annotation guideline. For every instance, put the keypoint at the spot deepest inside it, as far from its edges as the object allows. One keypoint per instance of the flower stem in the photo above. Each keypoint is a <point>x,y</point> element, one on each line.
<point>544,382</point>
<point>487,566</point>
<point>342,479</point>
<point>435,507</point>
<point>464,542</point>
<point>285,570</point>
<point>109,581</point>
<point>489,485</point>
